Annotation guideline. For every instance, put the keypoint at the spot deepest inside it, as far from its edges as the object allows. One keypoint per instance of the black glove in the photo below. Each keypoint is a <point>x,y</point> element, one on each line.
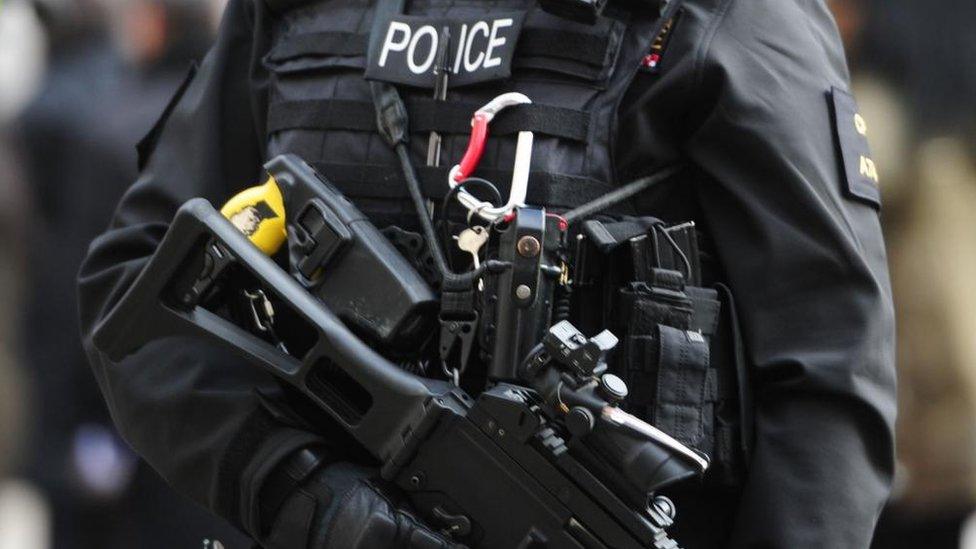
<point>346,506</point>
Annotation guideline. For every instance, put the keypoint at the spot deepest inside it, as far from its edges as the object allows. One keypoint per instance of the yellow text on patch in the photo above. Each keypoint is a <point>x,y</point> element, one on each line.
<point>868,169</point>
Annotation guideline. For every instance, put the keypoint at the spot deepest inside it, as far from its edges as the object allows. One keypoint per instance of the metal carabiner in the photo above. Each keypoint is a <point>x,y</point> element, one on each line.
<point>476,148</point>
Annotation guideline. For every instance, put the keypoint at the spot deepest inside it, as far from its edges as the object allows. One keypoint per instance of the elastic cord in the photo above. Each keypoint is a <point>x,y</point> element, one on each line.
<point>677,249</point>
<point>451,279</point>
<point>617,196</point>
<point>416,196</point>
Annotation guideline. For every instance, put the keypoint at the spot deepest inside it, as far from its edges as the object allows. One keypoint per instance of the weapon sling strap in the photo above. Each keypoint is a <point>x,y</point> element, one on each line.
<point>458,318</point>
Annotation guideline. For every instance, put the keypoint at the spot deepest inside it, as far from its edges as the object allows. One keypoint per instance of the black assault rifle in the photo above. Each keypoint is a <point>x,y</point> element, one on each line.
<point>547,460</point>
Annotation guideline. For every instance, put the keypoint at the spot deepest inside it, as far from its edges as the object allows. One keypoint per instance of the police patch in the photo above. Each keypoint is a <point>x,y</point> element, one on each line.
<point>852,137</point>
<point>480,49</point>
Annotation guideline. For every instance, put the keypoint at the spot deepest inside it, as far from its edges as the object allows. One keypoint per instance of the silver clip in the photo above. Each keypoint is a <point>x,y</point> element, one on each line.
<point>266,322</point>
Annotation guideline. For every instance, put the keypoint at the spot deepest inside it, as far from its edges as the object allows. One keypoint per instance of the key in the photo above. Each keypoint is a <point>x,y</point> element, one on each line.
<point>471,240</point>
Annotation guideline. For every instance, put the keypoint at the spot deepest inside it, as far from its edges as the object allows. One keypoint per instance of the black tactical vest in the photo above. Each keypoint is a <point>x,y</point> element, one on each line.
<point>576,76</point>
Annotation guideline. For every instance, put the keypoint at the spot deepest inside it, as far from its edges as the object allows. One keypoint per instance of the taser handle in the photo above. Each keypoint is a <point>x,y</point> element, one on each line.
<point>259,213</point>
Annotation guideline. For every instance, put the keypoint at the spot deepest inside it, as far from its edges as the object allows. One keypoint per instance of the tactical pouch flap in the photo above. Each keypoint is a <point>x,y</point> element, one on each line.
<point>707,309</point>
<point>686,387</point>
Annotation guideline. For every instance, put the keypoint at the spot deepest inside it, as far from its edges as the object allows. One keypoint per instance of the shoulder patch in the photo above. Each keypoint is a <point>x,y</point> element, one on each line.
<point>860,172</point>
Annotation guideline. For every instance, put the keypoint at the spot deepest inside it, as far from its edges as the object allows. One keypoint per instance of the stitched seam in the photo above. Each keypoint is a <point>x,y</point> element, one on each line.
<point>705,48</point>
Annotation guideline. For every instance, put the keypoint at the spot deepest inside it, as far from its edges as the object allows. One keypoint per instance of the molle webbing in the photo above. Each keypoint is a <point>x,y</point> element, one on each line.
<point>379,181</point>
<point>427,115</point>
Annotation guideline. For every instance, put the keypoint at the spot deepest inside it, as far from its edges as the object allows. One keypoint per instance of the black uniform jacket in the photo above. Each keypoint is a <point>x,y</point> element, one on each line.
<point>751,92</point>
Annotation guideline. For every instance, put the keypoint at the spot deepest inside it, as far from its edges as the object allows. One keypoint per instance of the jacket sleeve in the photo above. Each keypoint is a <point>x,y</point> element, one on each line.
<point>189,408</point>
<point>806,262</point>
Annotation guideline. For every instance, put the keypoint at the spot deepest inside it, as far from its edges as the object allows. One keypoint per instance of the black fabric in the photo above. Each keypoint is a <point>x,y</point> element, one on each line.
<point>805,261</point>
<point>365,181</point>
<point>668,328</point>
<point>743,376</point>
<point>639,313</point>
<point>685,387</point>
<point>585,48</point>
<point>345,506</point>
<point>284,479</point>
<point>455,117</point>
<point>260,462</point>
<point>320,43</point>
<point>296,519</point>
<point>243,446</point>
<point>457,302</point>
<point>280,6</point>
<point>322,115</point>
<point>666,361</point>
<point>707,309</point>
<point>389,110</point>
<point>427,115</point>
<point>146,145</point>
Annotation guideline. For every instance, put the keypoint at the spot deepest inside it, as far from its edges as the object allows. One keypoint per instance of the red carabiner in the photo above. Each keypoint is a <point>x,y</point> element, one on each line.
<point>476,147</point>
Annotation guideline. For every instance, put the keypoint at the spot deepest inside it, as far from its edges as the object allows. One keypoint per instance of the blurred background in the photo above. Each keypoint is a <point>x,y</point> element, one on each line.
<point>81,81</point>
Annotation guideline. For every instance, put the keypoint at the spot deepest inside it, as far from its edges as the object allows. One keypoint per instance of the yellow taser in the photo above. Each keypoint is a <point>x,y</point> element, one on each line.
<point>259,213</point>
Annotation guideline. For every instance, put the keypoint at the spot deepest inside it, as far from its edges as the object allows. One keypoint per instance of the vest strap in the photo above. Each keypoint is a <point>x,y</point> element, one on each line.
<point>383,181</point>
<point>591,49</point>
<point>320,43</point>
<point>427,115</point>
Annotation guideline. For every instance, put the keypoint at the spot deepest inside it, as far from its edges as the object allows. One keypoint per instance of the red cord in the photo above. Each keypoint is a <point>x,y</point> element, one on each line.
<point>476,147</point>
<point>563,224</point>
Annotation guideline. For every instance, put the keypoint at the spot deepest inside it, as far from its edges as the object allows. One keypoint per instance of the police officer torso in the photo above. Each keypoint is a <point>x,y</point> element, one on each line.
<point>677,353</point>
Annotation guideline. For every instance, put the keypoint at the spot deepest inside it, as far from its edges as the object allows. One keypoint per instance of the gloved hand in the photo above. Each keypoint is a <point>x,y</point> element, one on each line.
<point>343,506</point>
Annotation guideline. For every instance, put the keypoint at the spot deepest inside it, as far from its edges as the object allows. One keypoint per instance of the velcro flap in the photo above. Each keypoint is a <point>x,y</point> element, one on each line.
<point>683,385</point>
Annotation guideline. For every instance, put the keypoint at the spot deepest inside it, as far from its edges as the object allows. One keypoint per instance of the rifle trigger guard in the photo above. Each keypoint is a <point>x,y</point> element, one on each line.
<point>458,334</point>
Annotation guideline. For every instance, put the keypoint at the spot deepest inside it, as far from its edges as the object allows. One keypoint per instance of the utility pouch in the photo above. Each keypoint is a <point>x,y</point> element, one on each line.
<point>667,359</point>
<point>678,352</point>
<point>686,389</point>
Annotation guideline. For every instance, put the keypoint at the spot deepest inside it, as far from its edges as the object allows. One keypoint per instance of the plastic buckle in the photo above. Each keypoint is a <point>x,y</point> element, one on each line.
<point>321,235</point>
